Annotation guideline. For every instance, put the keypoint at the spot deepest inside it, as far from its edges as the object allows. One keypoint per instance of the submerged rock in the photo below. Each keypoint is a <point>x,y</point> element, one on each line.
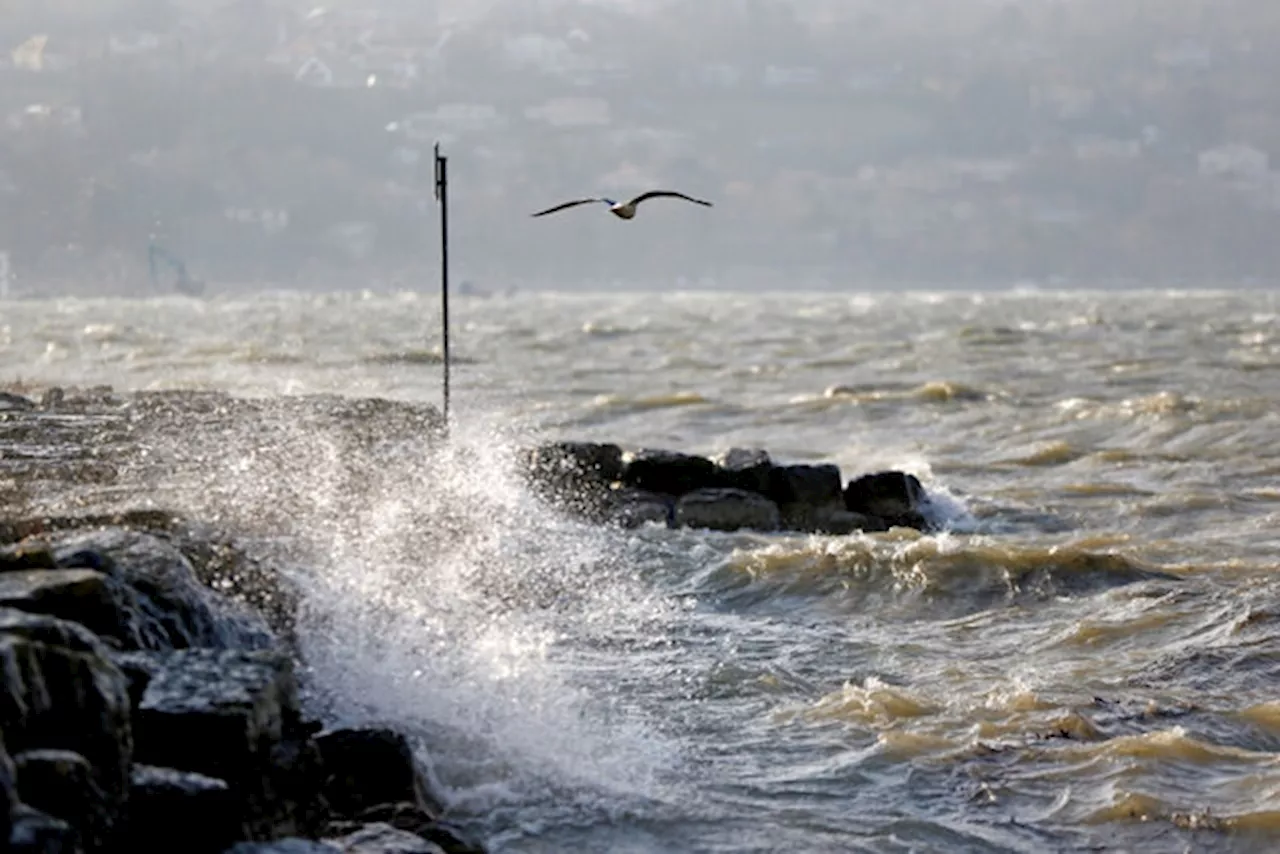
<point>416,820</point>
<point>727,510</point>
<point>385,839</point>
<point>291,845</point>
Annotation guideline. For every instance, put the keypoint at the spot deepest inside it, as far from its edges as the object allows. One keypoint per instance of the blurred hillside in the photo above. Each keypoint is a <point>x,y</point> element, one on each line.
<point>924,141</point>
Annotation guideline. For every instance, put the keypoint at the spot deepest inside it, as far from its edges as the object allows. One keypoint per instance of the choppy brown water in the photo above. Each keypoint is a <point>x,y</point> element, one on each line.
<point>1087,658</point>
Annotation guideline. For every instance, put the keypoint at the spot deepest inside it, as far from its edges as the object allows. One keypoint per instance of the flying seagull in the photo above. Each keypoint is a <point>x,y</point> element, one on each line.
<point>625,210</point>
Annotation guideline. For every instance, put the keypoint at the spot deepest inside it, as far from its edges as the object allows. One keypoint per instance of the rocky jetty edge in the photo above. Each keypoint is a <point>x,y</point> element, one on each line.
<point>142,711</point>
<point>739,489</point>
<point>150,694</point>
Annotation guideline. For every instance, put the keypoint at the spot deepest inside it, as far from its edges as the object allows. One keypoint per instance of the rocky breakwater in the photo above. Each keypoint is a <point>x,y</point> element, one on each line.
<point>141,711</point>
<point>739,489</point>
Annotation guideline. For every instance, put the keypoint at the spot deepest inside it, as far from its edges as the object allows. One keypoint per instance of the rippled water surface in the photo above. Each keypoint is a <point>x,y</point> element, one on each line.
<point>1084,658</point>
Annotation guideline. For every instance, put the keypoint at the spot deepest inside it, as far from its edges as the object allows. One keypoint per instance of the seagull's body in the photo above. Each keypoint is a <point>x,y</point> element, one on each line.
<point>624,210</point>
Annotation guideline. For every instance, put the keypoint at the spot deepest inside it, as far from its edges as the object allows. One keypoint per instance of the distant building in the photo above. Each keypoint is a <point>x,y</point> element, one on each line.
<point>781,77</point>
<point>1065,102</point>
<point>1234,160</point>
<point>1188,55</point>
<point>571,112</point>
<point>1096,148</point>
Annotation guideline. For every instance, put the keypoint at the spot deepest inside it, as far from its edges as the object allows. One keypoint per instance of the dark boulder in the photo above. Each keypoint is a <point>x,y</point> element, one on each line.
<point>234,715</point>
<point>893,496</point>
<point>84,596</point>
<point>175,609</point>
<point>138,667</point>
<point>744,468</point>
<point>575,476</point>
<point>60,690</point>
<point>632,508</point>
<point>61,783</point>
<point>668,472</point>
<point>575,465</point>
<point>727,510</point>
<point>805,494</point>
<point>162,799</point>
<point>813,485</point>
<point>367,767</point>
<point>215,711</point>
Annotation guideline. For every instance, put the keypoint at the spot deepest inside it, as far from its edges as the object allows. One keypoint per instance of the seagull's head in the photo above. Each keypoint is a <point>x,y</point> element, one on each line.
<point>610,202</point>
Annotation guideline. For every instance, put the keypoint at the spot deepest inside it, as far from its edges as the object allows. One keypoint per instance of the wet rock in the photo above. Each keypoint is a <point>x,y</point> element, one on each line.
<point>575,476</point>
<point>843,522</point>
<point>61,784</point>
<point>575,465</point>
<point>234,715</point>
<point>161,799</point>
<point>290,845</point>
<point>289,795</point>
<point>367,767</point>
<point>814,485</point>
<point>83,596</point>
<point>60,690</point>
<point>744,468</point>
<point>892,495</point>
<point>805,494</point>
<point>727,510</point>
<point>138,667</point>
<point>174,607</point>
<point>257,587</point>
<point>17,557</point>
<point>668,472</point>
<point>384,839</point>
<point>416,820</point>
<point>216,712</point>
<point>632,508</point>
<point>36,832</point>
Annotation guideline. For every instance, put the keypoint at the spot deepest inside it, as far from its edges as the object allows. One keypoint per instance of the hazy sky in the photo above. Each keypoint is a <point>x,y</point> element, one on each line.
<point>924,140</point>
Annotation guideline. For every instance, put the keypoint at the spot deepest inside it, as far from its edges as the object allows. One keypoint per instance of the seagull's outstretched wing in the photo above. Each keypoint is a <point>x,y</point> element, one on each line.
<point>658,194</point>
<point>564,205</point>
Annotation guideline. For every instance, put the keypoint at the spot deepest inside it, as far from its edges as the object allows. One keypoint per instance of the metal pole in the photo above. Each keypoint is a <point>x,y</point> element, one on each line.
<point>442,196</point>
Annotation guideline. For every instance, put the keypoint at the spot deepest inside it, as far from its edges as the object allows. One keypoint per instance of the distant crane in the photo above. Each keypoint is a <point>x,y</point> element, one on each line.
<point>184,283</point>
